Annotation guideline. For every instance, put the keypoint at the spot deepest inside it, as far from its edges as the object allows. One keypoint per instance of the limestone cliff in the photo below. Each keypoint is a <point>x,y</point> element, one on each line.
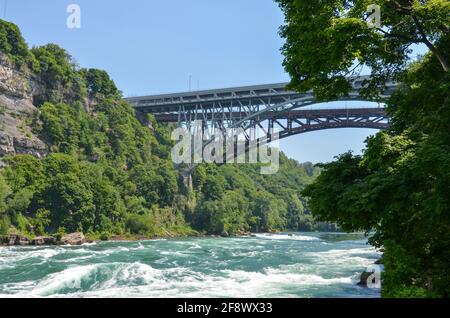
<point>17,112</point>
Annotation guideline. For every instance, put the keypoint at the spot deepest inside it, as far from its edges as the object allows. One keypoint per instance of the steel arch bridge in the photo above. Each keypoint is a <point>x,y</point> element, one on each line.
<point>269,107</point>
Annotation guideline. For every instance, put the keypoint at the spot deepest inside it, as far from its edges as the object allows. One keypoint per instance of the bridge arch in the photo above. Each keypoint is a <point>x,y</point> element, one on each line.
<point>268,107</point>
<point>293,118</point>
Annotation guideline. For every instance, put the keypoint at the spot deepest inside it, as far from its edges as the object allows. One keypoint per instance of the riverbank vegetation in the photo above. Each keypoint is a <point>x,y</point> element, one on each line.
<point>399,189</point>
<point>109,174</point>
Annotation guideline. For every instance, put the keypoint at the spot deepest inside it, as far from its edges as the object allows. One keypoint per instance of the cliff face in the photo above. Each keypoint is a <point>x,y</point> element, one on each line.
<point>16,112</point>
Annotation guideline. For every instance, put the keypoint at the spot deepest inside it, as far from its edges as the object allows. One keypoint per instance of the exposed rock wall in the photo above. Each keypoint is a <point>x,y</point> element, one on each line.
<point>16,112</point>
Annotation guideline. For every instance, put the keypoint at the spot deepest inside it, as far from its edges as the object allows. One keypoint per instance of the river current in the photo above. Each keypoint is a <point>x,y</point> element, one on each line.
<point>269,265</point>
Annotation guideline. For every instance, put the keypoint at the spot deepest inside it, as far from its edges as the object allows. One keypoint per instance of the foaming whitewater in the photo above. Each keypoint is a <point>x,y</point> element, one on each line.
<point>294,237</point>
<point>269,265</point>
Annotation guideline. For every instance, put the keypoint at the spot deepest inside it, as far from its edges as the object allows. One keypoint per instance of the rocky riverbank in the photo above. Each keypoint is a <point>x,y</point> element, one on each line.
<point>80,238</point>
<point>21,240</point>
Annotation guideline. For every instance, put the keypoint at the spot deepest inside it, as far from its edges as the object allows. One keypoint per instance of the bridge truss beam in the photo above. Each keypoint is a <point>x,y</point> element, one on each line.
<point>269,108</point>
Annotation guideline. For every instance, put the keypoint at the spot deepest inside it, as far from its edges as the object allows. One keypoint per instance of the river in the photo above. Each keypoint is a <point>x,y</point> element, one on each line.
<point>269,265</point>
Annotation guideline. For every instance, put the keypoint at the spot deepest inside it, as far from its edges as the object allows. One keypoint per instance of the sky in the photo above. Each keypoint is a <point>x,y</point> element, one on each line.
<point>160,46</point>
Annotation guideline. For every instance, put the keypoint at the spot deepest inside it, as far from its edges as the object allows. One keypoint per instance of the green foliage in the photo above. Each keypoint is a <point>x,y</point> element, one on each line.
<point>20,201</point>
<point>41,221</point>
<point>13,44</point>
<point>5,191</point>
<point>98,82</point>
<point>103,173</point>
<point>105,236</point>
<point>140,224</point>
<point>4,225</point>
<point>329,41</point>
<point>237,198</point>
<point>398,189</point>
<point>23,171</point>
<point>296,217</point>
<point>108,174</point>
<point>64,83</point>
<point>62,126</point>
<point>22,224</point>
<point>269,213</point>
<point>213,186</point>
<point>157,182</point>
<point>227,215</point>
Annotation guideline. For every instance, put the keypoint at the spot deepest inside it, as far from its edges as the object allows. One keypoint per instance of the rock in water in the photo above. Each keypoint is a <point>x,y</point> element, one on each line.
<point>73,239</point>
<point>365,278</point>
<point>44,240</point>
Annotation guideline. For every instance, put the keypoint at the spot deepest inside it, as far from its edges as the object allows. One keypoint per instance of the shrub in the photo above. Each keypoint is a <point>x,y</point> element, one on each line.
<point>140,224</point>
<point>4,225</point>
<point>105,236</point>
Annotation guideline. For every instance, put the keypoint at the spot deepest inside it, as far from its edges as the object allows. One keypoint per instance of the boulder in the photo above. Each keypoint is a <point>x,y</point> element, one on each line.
<point>379,262</point>
<point>44,240</point>
<point>73,239</point>
<point>4,239</point>
<point>167,234</point>
<point>11,240</point>
<point>365,278</point>
<point>243,233</point>
<point>17,239</point>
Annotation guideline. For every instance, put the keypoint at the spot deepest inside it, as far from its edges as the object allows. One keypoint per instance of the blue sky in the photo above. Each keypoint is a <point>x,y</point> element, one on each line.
<point>155,46</point>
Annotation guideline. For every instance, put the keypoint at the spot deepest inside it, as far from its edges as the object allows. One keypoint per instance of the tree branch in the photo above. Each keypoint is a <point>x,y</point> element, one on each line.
<point>402,8</point>
<point>401,36</point>
<point>430,45</point>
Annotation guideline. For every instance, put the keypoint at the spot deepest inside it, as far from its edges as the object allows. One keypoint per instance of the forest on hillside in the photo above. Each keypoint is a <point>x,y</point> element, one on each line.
<point>108,174</point>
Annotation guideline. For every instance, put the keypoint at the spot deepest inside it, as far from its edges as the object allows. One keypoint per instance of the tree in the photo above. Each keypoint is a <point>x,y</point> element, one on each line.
<point>214,186</point>
<point>229,214</point>
<point>23,171</point>
<point>5,191</point>
<point>4,225</point>
<point>156,181</point>
<point>59,72</point>
<point>62,126</point>
<point>98,82</point>
<point>13,44</point>
<point>269,212</point>
<point>297,220</point>
<point>140,224</point>
<point>398,189</point>
<point>328,42</point>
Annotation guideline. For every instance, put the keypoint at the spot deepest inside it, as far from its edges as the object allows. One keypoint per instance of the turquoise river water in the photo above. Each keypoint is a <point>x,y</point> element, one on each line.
<point>269,265</point>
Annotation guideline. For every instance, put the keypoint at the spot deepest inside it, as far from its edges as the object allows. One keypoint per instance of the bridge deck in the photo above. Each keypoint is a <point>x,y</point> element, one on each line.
<point>257,95</point>
<point>271,93</point>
